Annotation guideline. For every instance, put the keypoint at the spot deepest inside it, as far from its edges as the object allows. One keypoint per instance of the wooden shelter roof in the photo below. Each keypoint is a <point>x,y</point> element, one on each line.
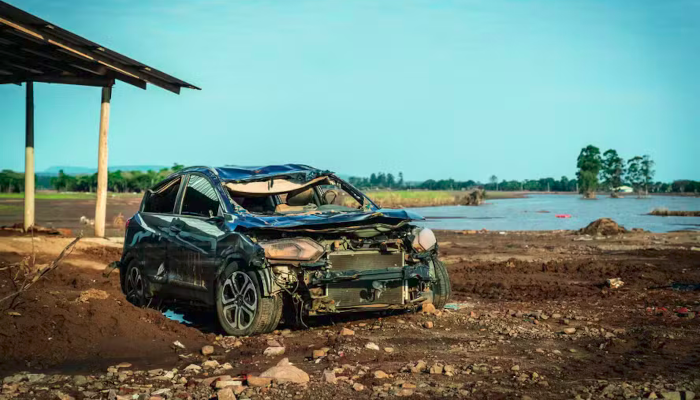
<point>32,49</point>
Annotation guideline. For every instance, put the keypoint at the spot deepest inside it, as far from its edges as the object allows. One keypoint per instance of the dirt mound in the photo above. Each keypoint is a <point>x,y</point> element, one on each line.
<point>603,226</point>
<point>76,319</point>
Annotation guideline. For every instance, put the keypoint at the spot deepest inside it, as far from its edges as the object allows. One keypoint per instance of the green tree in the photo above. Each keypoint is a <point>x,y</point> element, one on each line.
<point>494,181</point>
<point>633,175</point>
<point>647,172</point>
<point>589,165</point>
<point>611,174</point>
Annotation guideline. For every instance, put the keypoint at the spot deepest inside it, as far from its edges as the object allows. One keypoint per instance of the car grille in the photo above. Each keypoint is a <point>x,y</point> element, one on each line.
<point>360,293</point>
<point>365,260</point>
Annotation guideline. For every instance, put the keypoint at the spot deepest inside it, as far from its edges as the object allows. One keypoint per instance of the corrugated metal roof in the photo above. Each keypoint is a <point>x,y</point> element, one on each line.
<point>32,49</point>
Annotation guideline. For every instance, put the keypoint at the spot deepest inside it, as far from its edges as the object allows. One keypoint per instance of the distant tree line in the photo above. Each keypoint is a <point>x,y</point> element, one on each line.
<point>117,181</point>
<point>596,172</point>
<point>609,172</point>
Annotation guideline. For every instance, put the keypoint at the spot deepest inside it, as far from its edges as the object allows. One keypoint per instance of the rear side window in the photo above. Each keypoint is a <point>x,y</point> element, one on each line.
<point>162,199</point>
<point>200,198</point>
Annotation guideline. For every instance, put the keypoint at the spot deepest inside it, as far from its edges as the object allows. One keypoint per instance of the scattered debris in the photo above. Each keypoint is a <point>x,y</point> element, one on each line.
<point>614,283</point>
<point>603,226</point>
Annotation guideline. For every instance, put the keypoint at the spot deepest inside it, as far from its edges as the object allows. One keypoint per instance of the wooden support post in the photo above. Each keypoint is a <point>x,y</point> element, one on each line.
<point>29,160</point>
<point>101,206</point>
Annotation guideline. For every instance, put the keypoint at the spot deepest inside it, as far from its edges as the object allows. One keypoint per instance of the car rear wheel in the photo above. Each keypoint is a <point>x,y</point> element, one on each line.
<point>442,287</point>
<point>134,285</point>
<point>241,307</point>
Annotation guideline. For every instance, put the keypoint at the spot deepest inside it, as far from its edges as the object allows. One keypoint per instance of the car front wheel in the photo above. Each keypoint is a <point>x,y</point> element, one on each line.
<point>442,287</point>
<point>241,307</point>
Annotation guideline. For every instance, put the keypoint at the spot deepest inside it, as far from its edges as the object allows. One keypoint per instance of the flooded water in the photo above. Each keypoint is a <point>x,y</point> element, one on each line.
<point>538,212</point>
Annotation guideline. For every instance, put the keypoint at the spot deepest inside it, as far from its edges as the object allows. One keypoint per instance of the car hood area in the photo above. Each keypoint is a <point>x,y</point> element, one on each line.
<point>324,221</point>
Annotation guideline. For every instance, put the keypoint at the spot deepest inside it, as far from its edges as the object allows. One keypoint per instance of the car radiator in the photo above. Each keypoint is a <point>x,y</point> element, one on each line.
<point>360,293</point>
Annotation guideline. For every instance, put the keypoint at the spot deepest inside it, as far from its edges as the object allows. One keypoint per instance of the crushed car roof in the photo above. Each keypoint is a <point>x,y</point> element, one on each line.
<point>240,173</point>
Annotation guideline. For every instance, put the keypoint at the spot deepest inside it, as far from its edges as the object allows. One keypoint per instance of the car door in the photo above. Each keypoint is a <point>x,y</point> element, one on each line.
<point>152,238</point>
<point>197,229</point>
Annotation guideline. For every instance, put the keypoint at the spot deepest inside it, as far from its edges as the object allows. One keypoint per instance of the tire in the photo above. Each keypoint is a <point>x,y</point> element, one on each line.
<point>442,287</point>
<point>240,306</point>
<point>134,285</point>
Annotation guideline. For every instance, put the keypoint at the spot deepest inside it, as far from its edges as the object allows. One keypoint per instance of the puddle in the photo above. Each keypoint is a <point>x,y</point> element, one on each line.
<point>458,306</point>
<point>176,316</point>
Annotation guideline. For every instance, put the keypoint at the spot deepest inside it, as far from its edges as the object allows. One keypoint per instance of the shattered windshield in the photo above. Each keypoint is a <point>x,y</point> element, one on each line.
<point>284,195</point>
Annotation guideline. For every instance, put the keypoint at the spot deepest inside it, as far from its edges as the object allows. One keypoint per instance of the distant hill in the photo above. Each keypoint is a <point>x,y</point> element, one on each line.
<point>71,170</point>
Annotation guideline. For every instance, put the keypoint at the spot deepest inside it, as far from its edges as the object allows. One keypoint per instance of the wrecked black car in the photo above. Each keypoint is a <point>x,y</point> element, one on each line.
<point>254,242</point>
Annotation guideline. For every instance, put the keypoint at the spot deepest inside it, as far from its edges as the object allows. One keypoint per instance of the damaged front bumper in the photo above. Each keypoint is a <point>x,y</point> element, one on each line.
<point>344,290</point>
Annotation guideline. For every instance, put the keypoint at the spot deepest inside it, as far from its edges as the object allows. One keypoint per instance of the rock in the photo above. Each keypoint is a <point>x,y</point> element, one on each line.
<point>428,308</point>
<point>62,396</point>
<point>79,380</point>
<point>284,362</point>
<point>238,389</point>
<point>318,354</point>
<point>515,368</point>
<point>257,381</point>
<point>207,350</point>
<point>124,365</point>
<point>156,372</point>
<point>329,377</point>
<point>274,351</point>
<point>178,345</point>
<point>358,387</point>
<point>449,370</point>
<point>389,349</point>
<point>286,373</point>
<point>405,392</point>
<point>221,384</point>
<point>569,331</point>
<point>436,369</point>
<point>379,374</point>
<point>273,343</point>
<point>347,332</point>
<point>226,394</point>
<point>556,316</point>
<point>428,324</point>
<point>419,367</point>
<point>372,346</point>
<point>210,364</point>
<point>678,395</point>
<point>161,392</point>
<point>193,367</point>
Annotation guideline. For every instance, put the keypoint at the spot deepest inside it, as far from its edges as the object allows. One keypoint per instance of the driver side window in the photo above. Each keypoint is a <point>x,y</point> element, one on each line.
<point>200,198</point>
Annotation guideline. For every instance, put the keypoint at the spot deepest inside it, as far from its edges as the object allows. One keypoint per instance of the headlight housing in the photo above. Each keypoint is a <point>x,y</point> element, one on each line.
<point>423,240</point>
<point>301,249</point>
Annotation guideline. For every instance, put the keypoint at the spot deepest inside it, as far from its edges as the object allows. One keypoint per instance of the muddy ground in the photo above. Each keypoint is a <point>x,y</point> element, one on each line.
<point>515,296</point>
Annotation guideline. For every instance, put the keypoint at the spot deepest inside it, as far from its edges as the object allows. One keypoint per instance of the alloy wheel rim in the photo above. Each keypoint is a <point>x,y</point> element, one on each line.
<point>134,286</point>
<point>240,300</point>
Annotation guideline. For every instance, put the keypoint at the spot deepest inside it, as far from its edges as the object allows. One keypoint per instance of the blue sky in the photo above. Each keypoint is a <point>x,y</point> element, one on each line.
<point>436,89</point>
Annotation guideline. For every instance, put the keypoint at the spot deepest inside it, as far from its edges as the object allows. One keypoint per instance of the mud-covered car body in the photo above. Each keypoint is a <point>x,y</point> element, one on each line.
<point>205,235</point>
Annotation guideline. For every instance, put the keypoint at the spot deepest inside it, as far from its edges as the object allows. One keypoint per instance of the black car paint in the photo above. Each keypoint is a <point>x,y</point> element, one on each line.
<point>183,256</point>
